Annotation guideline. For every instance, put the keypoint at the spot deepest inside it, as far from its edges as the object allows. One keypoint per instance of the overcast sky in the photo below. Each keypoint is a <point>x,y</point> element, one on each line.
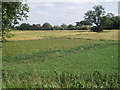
<point>58,12</point>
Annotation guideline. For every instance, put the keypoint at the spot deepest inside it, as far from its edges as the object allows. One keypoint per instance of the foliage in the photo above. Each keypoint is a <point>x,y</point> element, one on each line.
<point>46,26</point>
<point>116,22</point>
<point>110,21</point>
<point>98,18</point>
<point>94,16</point>
<point>106,21</point>
<point>64,26</point>
<point>24,26</point>
<point>56,27</point>
<point>12,12</point>
<point>70,27</point>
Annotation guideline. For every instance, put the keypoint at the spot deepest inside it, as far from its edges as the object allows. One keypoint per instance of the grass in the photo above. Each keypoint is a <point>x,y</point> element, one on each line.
<point>32,35</point>
<point>106,35</point>
<point>40,34</point>
<point>29,46</point>
<point>62,62</point>
<point>76,63</point>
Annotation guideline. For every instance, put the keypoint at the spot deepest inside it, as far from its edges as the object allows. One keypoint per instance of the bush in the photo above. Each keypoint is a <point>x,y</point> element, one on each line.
<point>96,29</point>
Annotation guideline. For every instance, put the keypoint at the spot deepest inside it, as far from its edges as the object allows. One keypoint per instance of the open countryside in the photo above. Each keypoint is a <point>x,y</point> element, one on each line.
<point>61,59</point>
<point>60,44</point>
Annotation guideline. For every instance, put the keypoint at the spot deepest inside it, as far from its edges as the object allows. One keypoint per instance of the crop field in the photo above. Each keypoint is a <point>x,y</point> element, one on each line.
<point>61,59</point>
<point>31,35</point>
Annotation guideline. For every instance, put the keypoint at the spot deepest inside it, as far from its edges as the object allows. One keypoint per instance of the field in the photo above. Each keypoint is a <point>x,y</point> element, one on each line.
<point>61,59</point>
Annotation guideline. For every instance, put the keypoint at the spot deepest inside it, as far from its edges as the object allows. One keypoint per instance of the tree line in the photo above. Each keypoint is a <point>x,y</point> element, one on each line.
<point>108,21</point>
<point>82,25</point>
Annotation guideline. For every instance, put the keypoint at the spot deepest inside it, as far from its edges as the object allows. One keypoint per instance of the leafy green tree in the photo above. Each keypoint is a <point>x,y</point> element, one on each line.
<point>64,26</point>
<point>47,26</point>
<point>24,26</point>
<point>78,24</point>
<point>110,21</point>
<point>38,25</point>
<point>94,17</point>
<point>116,22</point>
<point>56,27</point>
<point>35,27</point>
<point>71,27</point>
<point>107,21</point>
<point>12,13</point>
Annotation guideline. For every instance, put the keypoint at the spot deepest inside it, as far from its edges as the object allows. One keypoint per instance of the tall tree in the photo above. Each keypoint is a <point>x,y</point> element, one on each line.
<point>110,21</point>
<point>12,13</point>
<point>94,16</point>
<point>106,21</point>
<point>116,22</point>
<point>70,27</point>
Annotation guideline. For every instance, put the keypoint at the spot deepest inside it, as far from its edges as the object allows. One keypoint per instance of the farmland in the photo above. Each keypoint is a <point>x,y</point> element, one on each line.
<point>61,59</point>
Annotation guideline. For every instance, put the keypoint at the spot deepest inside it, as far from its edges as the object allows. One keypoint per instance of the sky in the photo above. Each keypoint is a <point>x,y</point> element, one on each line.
<point>57,12</point>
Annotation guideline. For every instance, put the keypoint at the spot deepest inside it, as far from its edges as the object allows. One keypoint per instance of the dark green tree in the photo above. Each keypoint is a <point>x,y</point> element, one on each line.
<point>78,24</point>
<point>56,27</point>
<point>116,22</point>
<point>47,26</point>
<point>106,21</point>
<point>64,26</point>
<point>71,27</point>
<point>24,26</point>
<point>95,16</point>
<point>12,13</point>
<point>110,21</point>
